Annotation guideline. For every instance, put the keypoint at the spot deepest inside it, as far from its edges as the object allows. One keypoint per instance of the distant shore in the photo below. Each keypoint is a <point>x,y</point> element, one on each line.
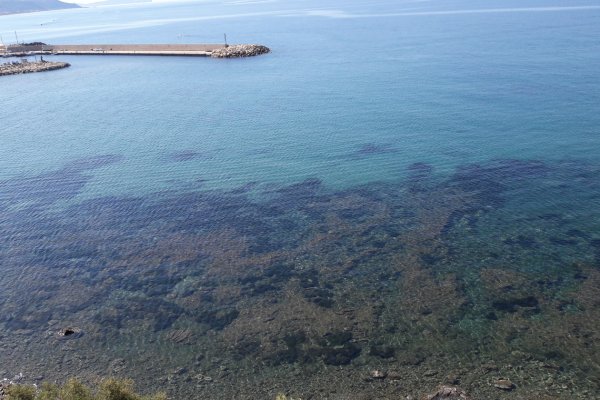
<point>22,7</point>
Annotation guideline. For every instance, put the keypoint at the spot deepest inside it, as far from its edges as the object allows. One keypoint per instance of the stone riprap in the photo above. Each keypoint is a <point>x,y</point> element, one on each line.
<point>27,67</point>
<point>240,50</point>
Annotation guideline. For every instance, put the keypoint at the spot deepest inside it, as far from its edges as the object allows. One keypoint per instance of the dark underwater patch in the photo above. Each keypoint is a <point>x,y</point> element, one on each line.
<point>559,241</point>
<point>466,215</point>
<point>595,243</point>
<point>184,155</point>
<point>419,173</point>
<point>519,169</point>
<point>511,305</point>
<point>476,180</point>
<point>161,314</point>
<point>382,351</point>
<point>49,187</point>
<point>577,233</point>
<point>369,149</point>
<point>43,189</point>
<point>340,355</point>
<point>319,296</point>
<point>218,319</point>
<point>303,190</point>
<point>337,348</point>
<point>93,162</point>
<point>489,181</point>
<point>526,242</point>
<point>246,348</point>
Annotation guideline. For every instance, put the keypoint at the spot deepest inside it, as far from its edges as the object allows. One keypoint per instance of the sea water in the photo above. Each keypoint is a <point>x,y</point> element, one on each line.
<point>409,186</point>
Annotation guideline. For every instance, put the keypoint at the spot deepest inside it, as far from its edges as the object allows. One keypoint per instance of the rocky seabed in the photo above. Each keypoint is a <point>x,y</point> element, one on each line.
<point>241,50</point>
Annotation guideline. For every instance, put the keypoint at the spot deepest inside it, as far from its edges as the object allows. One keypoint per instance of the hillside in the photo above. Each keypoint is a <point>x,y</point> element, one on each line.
<point>23,6</point>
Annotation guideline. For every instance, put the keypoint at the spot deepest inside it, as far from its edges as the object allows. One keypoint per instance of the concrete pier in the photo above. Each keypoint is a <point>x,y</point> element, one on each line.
<point>193,50</point>
<point>197,50</point>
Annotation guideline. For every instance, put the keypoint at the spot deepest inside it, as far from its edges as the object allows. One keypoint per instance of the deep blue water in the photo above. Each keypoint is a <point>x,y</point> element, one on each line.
<point>446,89</point>
<point>381,147</point>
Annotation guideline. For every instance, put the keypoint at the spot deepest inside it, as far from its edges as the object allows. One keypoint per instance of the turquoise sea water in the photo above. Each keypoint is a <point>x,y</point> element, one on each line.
<point>409,186</point>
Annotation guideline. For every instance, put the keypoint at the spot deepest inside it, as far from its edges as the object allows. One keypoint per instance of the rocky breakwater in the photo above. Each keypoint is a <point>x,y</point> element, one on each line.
<point>240,50</point>
<point>27,67</point>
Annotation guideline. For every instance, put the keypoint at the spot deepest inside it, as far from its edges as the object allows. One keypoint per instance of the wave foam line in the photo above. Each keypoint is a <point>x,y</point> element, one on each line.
<point>342,14</point>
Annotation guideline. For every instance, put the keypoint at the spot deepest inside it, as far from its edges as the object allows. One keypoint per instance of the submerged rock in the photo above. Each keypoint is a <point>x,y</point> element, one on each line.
<point>504,384</point>
<point>448,393</point>
<point>180,336</point>
<point>394,376</point>
<point>378,374</point>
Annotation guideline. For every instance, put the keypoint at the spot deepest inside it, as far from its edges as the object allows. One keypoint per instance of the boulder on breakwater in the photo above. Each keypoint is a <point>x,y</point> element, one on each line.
<point>27,67</point>
<point>240,50</point>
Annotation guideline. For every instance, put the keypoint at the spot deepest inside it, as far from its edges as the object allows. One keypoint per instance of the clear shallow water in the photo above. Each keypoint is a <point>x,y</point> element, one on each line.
<point>402,185</point>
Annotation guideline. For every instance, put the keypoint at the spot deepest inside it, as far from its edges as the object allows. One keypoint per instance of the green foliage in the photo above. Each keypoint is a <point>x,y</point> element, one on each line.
<point>75,390</point>
<point>110,389</point>
<point>113,389</point>
<point>21,392</point>
<point>49,392</point>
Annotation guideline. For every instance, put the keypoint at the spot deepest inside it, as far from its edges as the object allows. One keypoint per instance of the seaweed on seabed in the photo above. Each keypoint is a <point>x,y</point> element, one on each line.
<point>313,291</point>
<point>218,319</point>
<point>43,189</point>
<point>562,241</point>
<point>342,355</point>
<point>489,180</point>
<point>337,348</point>
<point>184,155</point>
<point>297,195</point>
<point>47,188</point>
<point>526,242</point>
<point>369,149</point>
<point>93,162</point>
<point>334,348</point>
<point>478,181</point>
<point>294,351</point>
<point>512,304</point>
<point>319,296</point>
<point>162,314</point>
<point>419,174</point>
<point>382,351</point>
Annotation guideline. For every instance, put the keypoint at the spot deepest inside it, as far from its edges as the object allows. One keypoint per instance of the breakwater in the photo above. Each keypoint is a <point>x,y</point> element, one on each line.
<point>194,50</point>
<point>28,67</point>
<point>242,50</point>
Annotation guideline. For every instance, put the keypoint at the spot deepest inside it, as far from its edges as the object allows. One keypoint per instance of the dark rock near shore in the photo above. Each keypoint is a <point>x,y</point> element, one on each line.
<point>70,333</point>
<point>3,390</point>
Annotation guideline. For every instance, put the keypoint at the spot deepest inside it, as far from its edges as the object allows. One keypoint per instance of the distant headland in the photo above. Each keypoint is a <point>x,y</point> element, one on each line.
<point>26,6</point>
